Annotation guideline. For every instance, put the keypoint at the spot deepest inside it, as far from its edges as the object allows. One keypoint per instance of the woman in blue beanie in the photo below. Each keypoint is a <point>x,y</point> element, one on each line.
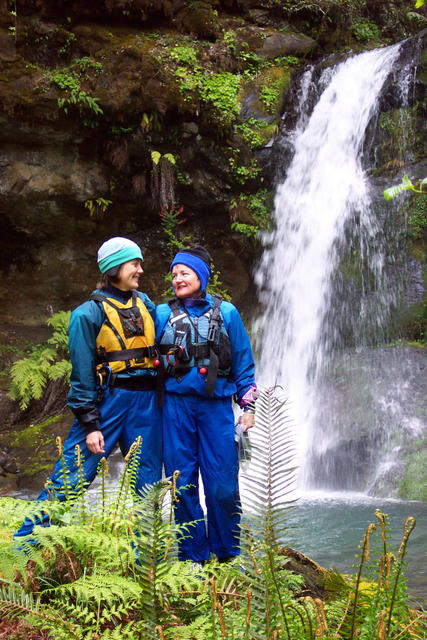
<point>113,379</point>
<point>208,360</point>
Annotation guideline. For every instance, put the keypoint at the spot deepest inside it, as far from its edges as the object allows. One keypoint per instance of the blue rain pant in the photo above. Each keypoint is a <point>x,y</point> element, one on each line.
<point>124,415</point>
<point>198,434</point>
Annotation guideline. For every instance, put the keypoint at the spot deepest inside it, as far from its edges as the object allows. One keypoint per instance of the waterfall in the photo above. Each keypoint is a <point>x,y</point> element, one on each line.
<point>324,277</point>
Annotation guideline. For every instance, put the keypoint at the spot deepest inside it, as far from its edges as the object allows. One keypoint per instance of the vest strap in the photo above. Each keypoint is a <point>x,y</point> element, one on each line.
<point>128,354</point>
<point>198,350</point>
<point>136,383</point>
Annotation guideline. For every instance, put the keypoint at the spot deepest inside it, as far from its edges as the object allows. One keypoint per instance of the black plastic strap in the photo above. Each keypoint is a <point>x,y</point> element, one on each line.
<point>215,322</point>
<point>99,297</point>
<point>198,350</point>
<point>129,354</point>
<point>212,373</point>
<point>136,383</point>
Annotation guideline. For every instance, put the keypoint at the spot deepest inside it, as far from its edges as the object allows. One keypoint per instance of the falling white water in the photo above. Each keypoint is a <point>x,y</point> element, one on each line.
<point>325,189</point>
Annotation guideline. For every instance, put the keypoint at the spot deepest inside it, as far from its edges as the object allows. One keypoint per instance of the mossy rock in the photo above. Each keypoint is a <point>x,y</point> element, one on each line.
<point>262,97</point>
<point>318,581</point>
<point>413,485</point>
<point>199,19</point>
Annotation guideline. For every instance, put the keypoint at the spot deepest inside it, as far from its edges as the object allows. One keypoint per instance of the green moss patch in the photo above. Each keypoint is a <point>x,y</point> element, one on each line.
<point>414,483</point>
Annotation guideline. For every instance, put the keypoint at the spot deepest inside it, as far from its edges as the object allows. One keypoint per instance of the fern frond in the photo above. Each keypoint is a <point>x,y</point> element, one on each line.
<point>198,629</point>
<point>268,483</point>
<point>29,376</point>
<point>15,603</point>
<point>59,322</point>
<point>48,361</point>
<point>129,631</point>
<point>106,589</point>
<point>61,369</point>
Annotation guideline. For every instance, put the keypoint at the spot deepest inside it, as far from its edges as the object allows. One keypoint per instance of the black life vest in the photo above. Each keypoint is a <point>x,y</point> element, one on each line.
<point>201,342</point>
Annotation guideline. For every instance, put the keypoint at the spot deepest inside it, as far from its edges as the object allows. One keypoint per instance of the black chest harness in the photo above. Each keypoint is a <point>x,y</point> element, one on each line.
<point>196,341</point>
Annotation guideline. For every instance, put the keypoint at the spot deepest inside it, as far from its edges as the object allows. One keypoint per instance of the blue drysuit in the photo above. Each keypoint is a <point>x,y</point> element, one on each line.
<point>198,434</point>
<point>121,414</point>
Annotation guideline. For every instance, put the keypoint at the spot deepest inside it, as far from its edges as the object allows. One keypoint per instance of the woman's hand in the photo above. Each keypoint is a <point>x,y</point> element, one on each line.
<point>95,442</point>
<point>247,420</point>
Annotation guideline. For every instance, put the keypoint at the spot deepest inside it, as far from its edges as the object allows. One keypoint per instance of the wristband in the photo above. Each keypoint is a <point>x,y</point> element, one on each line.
<point>249,409</point>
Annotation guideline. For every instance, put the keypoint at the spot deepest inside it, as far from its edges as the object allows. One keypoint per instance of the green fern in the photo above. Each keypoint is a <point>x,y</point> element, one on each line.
<point>15,602</point>
<point>108,589</point>
<point>46,362</point>
<point>269,480</point>
<point>108,569</point>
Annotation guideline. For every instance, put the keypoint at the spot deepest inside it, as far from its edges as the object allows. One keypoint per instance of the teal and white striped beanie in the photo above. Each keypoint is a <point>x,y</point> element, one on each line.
<point>115,252</point>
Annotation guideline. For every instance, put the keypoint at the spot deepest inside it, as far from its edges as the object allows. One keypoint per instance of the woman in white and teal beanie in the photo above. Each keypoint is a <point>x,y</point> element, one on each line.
<point>113,386</point>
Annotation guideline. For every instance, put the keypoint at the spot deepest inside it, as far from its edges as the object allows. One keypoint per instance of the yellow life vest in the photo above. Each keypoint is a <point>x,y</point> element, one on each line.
<point>126,338</point>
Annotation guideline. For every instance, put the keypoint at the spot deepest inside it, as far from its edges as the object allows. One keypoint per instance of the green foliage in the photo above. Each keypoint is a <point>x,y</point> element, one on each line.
<point>253,63</point>
<point>87,63</point>
<point>170,219</point>
<point>255,133</point>
<point>248,230</point>
<point>47,361</point>
<point>221,90</point>
<point>414,483</point>
<point>97,206</point>
<point>185,54</point>
<point>243,173</point>
<point>70,38</point>
<point>406,185</point>
<point>76,96</point>
<point>417,217</point>
<point>230,40</point>
<point>286,61</point>
<point>216,286</point>
<point>218,90</point>
<point>271,86</point>
<point>101,563</point>
<point>107,568</point>
<point>366,32</point>
<point>156,156</point>
<point>270,97</point>
<point>259,205</point>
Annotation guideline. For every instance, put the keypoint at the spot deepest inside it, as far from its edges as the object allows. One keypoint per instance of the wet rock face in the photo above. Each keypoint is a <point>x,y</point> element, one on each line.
<point>50,172</point>
<point>285,44</point>
<point>60,157</point>
<point>371,415</point>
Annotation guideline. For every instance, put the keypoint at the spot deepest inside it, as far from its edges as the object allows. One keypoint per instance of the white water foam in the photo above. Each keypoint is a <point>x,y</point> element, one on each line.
<point>325,187</point>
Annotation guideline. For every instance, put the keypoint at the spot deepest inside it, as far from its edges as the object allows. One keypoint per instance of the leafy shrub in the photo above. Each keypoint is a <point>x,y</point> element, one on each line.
<point>417,217</point>
<point>107,567</point>
<point>414,483</point>
<point>366,32</point>
<point>259,205</point>
<point>185,54</point>
<point>47,361</point>
<point>220,90</point>
<point>76,95</point>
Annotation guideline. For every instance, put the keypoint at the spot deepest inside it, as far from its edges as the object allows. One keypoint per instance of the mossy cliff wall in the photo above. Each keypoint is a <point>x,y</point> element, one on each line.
<point>90,91</point>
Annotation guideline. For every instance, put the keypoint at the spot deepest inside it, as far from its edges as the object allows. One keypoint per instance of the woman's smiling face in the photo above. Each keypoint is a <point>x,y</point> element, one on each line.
<point>185,282</point>
<point>129,274</point>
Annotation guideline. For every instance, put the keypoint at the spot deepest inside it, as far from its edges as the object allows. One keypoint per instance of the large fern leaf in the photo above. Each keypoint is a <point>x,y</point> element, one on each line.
<point>269,481</point>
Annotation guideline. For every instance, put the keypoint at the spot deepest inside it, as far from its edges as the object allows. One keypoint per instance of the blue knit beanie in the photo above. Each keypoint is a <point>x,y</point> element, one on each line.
<point>197,259</point>
<point>115,252</point>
